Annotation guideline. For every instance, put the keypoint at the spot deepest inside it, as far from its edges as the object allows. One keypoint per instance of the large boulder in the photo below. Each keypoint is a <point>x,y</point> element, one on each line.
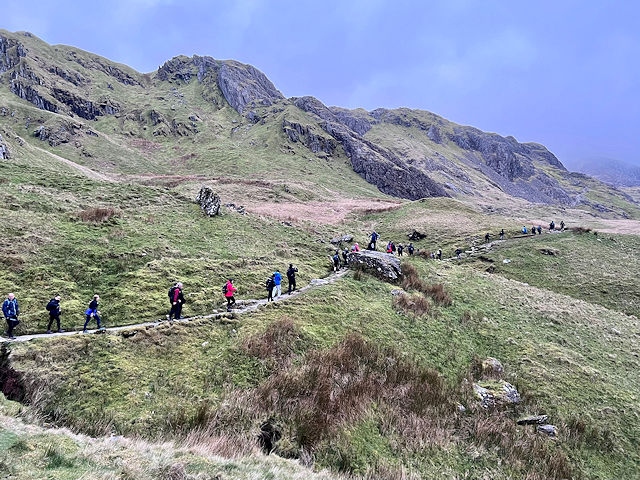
<point>382,265</point>
<point>209,201</point>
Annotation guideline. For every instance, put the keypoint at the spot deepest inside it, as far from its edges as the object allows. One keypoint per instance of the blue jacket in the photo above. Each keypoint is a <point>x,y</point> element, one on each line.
<point>277,278</point>
<point>10,308</point>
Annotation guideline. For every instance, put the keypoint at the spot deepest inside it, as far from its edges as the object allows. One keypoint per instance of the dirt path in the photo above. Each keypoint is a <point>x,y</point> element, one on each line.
<point>244,306</point>
<point>87,172</point>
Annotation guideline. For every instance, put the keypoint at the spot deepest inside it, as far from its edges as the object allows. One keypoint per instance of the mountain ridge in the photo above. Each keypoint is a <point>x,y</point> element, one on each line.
<point>425,156</point>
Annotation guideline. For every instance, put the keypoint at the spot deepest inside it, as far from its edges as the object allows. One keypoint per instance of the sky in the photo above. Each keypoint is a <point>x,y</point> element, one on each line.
<point>563,73</point>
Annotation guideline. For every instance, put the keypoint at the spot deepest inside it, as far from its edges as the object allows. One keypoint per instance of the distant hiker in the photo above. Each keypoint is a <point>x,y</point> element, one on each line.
<point>176,298</point>
<point>345,252</point>
<point>355,247</point>
<point>562,225</point>
<point>388,248</point>
<point>400,249</point>
<point>458,252</point>
<point>410,248</point>
<point>502,234</point>
<point>277,280</point>
<point>54,313</point>
<point>552,225</point>
<point>92,312</point>
<point>229,290</point>
<point>11,311</point>
<point>269,285</point>
<point>335,261</point>
<point>533,230</point>
<point>439,254</point>
<point>524,229</point>
<point>374,238</point>
<point>291,277</point>
<point>539,230</point>
<point>487,237</point>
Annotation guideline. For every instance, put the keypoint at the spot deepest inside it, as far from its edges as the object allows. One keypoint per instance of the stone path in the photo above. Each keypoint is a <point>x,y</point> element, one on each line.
<point>243,306</point>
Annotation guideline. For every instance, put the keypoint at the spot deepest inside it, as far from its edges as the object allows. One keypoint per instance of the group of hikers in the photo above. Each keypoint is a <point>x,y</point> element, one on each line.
<point>538,229</point>
<point>11,312</point>
<point>273,284</point>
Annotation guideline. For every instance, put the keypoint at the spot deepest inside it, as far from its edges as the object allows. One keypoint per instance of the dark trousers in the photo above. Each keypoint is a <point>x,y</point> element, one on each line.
<point>269,294</point>
<point>11,324</point>
<point>86,322</point>
<point>231,301</point>
<point>51,319</point>
<point>292,284</point>
<point>176,311</point>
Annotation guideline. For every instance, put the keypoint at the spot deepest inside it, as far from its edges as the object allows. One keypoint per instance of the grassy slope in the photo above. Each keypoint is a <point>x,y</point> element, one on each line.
<point>571,358</point>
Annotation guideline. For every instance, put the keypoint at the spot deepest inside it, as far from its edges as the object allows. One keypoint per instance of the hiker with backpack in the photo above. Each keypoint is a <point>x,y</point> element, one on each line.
<point>11,310</point>
<point>374,238</point>
<point>410,248</point>
<point>92,312</point>
<point>176,298</point>
<point>291,278</point>
<point>335,261</point>
<point>53,307</point>
<point>270,284</point>
<point>229,290</point>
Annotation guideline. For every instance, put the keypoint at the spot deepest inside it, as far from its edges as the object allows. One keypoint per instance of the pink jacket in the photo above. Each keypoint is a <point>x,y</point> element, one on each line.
<point>230,290</point>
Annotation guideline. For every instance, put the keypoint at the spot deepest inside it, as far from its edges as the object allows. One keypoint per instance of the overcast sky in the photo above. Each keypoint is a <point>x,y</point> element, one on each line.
<point>564,73</point>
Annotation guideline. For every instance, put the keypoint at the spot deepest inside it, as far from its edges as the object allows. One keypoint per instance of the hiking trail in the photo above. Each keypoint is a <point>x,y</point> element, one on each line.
<point>244,306</point>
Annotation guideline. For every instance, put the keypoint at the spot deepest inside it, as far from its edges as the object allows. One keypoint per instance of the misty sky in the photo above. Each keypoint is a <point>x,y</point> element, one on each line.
<point>564,73</point>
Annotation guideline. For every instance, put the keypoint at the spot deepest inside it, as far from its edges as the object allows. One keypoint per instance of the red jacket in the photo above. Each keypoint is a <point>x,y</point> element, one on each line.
<point>230,290</point>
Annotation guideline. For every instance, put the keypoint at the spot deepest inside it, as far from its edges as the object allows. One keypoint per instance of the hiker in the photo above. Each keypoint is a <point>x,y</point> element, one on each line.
<point>277,281</point>
<point>486,238</point>
<point>439,254</point>
<point>502,234</point>
<point>374,238</point>
<point>533,230</point>
<point>92,312</point>
<point>335,261</point>
<point>458,252</point>
<point>11,310</point>
<point>269,284</point>
<point>410,248</point>
<point>229,290</point>
<point>524,229</point>
<point>400,249</point>
<point>54,313</point>
<point>291,277</point>
<point>389,249</point>
<point>552,225</point>
<point>355,247</point>
<point>562,225</point>
<point>345,252</point>
<point>176,297</point>
<point>539,230</point>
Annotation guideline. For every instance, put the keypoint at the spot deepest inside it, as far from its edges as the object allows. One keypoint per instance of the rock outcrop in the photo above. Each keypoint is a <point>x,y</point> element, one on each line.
<point>375,164</point>
<point>381,265</point>
<point>209,201</point>
<point>240,84</point>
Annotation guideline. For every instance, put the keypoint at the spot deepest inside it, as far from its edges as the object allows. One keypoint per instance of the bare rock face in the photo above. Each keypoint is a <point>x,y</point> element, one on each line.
<point>496,393</point>
<point>209,201</point>
<point>382,265</point>
<point>377,165</point>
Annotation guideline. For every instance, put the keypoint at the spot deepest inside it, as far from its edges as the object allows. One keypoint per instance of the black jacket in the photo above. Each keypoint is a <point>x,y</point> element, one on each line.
<point>291,272</point>
<point>54,307</point>
<point>180,295</point>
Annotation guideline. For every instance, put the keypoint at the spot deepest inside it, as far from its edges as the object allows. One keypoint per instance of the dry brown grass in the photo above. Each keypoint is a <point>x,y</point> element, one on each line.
<point>98,214</point>
<point>412,281</point>
<point>416,305</point>
<point>277,344</point>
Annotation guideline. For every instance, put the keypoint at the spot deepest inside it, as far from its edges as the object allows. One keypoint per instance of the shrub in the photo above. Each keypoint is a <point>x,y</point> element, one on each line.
<point>412,304</point>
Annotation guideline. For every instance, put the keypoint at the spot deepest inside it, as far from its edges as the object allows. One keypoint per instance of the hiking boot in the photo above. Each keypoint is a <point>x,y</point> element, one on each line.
<point>84,331</point>
<point>11,337</point>
<point>49,332</point>
<point>61,331</point>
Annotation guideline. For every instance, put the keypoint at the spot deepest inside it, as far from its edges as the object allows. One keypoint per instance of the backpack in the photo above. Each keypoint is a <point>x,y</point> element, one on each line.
<point>171,292</point>
<point>224,288</point>
<point>49,306</point>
